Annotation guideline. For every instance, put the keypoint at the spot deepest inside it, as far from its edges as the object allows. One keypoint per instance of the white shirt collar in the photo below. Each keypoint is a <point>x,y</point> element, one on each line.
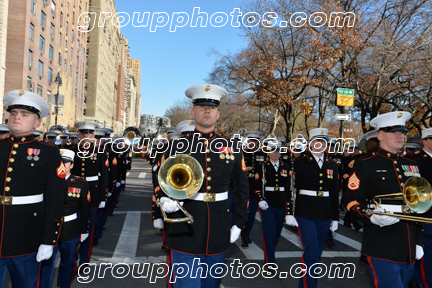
<point>67,177</point>
<point>428,153</point>
<point>317,158</point>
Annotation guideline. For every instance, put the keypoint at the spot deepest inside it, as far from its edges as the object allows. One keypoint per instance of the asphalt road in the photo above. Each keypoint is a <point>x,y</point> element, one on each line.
<point>130,255</point>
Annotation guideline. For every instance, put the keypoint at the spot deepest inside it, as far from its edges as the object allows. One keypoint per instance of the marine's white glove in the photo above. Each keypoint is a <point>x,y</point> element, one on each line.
<point>235,233</point>
<point>44,252</point>
<point>84,237</point>
<point>169,205</point>
<point>102,204</point>
<point>158,223</point>
<point>122,182</point>
<point>109,194</point>
<point>291,221</point>
<point>263,205</point>
<point>419,252</point>
<point>334,225</point>
<point>118,184</point>
<point>383,220</point>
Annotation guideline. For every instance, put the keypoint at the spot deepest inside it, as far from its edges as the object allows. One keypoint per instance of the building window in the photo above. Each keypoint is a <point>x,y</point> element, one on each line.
<point>78,45</point>
<point>76,93</point>
<point>52,31</point>
<point>77,62</point>
<point>76,79</point>
<point>33,6</point>
<point>29,84</point>
<point>61,19</point>
<point>51,52</point>
<point>43,19</point>
<point>65,65</point>
<point>41,43</point>
<point>40,68</point>
<point>44,1</point>
<point>73,35</point>
<point>53,6</point>
<point>48,95</point>
<point>50,75</point>
<point>67,28</point>
<point>31,32</point>
<point>30,59</point>
<point>59,59</point>
<point>39,90</point>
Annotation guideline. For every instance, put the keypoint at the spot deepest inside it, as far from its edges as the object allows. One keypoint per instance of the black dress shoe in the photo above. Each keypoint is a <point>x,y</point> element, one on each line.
<point>347,225</point>
<point>330,243</point>
<point>111,214</point>
<point>95,241</point>
<point>364,259</point>
<point>358,227</point>
<point>163,247</point>
<point>245,243</point>
<point>249,240</point>
<point>414,285</point>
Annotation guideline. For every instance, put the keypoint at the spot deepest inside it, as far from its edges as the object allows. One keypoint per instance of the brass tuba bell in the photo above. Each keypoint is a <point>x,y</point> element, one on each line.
<point>180,177</point>
<point>417,196</point>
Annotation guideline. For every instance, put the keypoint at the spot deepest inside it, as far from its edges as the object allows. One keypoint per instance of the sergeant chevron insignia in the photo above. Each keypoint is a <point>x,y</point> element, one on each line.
<point>354,182</point>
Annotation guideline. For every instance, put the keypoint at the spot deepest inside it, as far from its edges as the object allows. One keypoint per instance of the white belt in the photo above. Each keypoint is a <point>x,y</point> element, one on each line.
<point>21,200</point>
<point>210,197</point>
<point>274,188</point>
<point>92,178</point>
<point>388,207</point>
<point>314,193</point>
<point>70,217</point>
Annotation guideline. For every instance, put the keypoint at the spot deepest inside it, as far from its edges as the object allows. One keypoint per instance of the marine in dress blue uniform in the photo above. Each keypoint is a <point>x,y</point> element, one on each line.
<point>209,236</point>
<point>30,219</point>
<point>391,245</point>
<point>74,229</point>
<point>253,158</point>
<point>317,201</point>
<point>423,267</point>
<point>274,200</point>
<point>92,167</point>
<point>4,131</point>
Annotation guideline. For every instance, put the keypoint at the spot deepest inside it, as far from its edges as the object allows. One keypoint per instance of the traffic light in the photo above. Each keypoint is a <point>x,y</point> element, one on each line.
<point>306,108</point>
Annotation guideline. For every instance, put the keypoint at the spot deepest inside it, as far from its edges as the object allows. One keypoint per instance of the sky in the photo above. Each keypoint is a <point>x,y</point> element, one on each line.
<point>173,61</point>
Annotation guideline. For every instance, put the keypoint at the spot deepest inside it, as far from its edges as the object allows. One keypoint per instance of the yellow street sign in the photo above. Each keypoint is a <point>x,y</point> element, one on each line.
<point>345,97</point>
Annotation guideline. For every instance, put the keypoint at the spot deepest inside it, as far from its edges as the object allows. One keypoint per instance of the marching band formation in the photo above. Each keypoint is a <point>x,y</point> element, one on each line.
<point>207,189</point>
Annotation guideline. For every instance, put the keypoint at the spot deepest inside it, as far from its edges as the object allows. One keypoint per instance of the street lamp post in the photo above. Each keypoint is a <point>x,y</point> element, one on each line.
<point>58,80</point>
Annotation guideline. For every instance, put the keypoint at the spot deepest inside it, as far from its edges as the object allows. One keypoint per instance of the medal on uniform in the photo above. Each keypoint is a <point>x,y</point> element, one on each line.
<point>222,156</point>
<point>330,173</point>
<point>232,157</point>
<point>36,153</point>
<point>410,170</point>
<point>69,194</point>
<point>29,157</point>
<point>30,152</point>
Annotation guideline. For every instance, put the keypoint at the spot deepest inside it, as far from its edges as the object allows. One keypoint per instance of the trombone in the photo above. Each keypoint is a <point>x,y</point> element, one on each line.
<point>180,177</point>
<point>417,197</point>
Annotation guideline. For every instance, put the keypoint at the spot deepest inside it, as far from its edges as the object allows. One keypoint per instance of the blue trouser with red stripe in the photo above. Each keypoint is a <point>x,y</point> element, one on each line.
<point>194,271</point>
<point>313,234</point>
<point>423,268</point>
<point>68,251</point>
<point>47,269</point>
<point>23,270</point>
<point>99,223</point>
<point>87,245</point>
<point>387,274</point>
<point>114,200</point>
<point>253,206</point>
<point>272,222</point>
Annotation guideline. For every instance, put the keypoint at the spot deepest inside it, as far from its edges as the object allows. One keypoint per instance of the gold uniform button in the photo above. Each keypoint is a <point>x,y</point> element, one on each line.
<point>383,178</point>
<point>209,178</point>
<point>208,187</point>
<point>12,160</point>
<point>35,214</point>
<point>10,169</point>
<point>82,169</point>
<point>402,184</point>
<point>54,241</point>
<point>277,180</point>
<point>208,159</point>
<point>276,175</point>
<point>15,145</point>
<point>321,174</point>
<point>321,181</point>
<point>8,179</point>
<point>400,176</point>
<point>58,224</point>
<point>56,232</point>
<point>208,150</point>
<point>395,162</point>
<point>32,164</point>
<point>83,164</point>
<point>208,169</point>
<point>7,189</point>
<point>320,188</point>
<point>14,152</point>
<point>397,169</point>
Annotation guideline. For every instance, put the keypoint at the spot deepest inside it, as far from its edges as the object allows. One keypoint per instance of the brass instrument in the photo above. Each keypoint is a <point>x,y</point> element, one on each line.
<point>180,177</point>
<point>417,197</point>
<point>59,129</point>
<point>131,133</point>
